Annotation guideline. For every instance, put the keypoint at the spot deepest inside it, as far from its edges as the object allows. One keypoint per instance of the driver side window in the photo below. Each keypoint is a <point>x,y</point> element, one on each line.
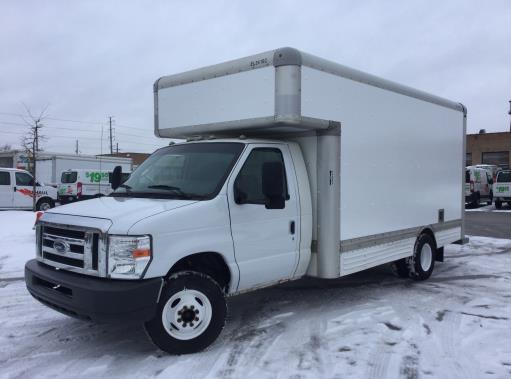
<point>23,179</point>
<point>249,182</point>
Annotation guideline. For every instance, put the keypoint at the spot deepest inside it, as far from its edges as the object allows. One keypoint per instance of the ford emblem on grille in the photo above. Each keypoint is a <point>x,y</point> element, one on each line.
<point>60,246</point>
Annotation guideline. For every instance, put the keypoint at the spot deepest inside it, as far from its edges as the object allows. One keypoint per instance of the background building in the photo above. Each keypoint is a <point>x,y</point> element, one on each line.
<point>489,148</point>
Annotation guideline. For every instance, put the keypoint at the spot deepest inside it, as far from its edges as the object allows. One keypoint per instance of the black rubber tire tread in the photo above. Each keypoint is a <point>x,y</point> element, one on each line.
<point>498,204</point>
<point>414,262</point>
<point>400,268</point>
<point>199,282</point>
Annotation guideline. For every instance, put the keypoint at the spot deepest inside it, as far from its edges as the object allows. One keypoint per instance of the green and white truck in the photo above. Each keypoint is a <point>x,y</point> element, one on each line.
<point>83,184</point>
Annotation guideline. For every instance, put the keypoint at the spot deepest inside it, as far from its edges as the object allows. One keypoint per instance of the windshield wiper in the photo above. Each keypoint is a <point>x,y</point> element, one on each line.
<point>125,186</point>
<point>178,191</point>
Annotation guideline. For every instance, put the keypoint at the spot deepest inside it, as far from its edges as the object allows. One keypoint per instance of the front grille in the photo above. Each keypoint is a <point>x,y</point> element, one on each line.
<point>75,249</point>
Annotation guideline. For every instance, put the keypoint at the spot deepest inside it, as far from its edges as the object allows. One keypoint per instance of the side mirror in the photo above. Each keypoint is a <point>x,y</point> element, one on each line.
<point>273,185</point>
<point>116,177</point>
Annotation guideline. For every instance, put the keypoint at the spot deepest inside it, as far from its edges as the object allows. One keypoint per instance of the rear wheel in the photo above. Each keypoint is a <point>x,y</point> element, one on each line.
<point>191,314</point>
<point>421,263</point>
<point>477,201</point>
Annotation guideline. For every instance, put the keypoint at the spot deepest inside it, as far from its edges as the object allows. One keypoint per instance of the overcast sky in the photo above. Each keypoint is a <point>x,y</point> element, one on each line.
<point>95,59</point>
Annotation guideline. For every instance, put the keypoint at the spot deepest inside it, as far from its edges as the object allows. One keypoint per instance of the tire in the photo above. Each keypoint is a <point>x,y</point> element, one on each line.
<point>194,309</point>
<point>400,268</point>
<point>477,202</point>
<point>490,200</point>
<point>422,262</point>
<point>498,204</point>
<point>44,204</point>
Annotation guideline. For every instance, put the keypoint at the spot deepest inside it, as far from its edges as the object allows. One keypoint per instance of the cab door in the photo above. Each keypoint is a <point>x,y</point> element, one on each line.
<point>22,194</point>
<point>266,240</point>
<point>6,191</point>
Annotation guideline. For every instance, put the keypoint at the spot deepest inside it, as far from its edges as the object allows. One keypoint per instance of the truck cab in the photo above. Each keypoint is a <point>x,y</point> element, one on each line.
<point>238,211</point>
<point>16,191</point>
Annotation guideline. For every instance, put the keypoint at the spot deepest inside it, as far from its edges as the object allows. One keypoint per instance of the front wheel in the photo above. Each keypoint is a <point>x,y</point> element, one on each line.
<point>498,204</point>
<point>190,315</point>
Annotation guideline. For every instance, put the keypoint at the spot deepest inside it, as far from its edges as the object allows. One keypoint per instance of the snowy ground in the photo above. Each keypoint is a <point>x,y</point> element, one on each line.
<point>489,208</point>
<point>368,325</point>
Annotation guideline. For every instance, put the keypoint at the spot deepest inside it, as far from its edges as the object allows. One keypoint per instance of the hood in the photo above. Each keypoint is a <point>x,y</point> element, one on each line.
<point>124,210</point>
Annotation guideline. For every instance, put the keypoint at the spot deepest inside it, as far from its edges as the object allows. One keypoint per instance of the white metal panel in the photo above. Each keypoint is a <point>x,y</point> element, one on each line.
<point>400,156</point>
<point>445,237</point>
<point>245,95</point>
<point>361,259</point>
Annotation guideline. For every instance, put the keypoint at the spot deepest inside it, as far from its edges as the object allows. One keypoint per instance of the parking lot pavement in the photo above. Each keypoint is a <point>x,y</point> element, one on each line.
<point>489,222</point>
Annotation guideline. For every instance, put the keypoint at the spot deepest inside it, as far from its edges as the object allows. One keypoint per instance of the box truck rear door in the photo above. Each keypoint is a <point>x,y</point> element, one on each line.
<point>266,240</point>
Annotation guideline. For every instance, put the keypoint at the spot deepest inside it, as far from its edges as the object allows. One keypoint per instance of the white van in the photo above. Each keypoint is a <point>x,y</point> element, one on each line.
<point>83,184</point>
<point>491,168</point>
<point>16,191</point>
<point>502,188</point>
<point>478,186</point>
<point>265,190</point>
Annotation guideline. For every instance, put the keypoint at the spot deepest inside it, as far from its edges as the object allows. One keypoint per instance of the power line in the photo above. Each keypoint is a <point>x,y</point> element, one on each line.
<point>78,121</point>
<point>52,127</point>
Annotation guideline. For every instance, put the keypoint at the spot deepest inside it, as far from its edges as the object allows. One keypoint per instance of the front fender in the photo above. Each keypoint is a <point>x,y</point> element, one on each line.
<point>200,227</point>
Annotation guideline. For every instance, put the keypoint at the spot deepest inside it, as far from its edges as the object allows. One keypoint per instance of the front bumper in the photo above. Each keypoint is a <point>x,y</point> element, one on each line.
<point>92,298</point>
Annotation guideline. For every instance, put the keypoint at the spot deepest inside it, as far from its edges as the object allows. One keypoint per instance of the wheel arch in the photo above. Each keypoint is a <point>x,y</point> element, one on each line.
<point>429,231</point>
<point>207,262</point>
<point>439,251</point>
<point>48,198</point>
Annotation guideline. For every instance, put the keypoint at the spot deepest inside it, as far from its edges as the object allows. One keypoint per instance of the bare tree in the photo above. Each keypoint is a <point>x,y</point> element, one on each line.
<point>6,147</point>
<point>31,143</point>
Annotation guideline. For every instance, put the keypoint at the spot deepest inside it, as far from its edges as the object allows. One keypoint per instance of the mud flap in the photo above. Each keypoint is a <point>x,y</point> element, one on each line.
<point>439,256</point>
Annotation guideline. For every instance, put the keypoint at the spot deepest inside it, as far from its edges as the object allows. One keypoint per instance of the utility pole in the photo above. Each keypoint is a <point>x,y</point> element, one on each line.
<point>117,148</point>
<point>76,148</point>
<point>509,113</point>
<point>111,140</point>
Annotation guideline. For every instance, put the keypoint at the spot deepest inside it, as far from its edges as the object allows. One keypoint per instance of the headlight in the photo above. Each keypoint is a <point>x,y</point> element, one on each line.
<point>128,256</point>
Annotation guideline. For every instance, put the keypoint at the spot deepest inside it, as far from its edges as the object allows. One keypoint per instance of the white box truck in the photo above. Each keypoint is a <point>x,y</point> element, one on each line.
<point>293,166</point>
<point>85,184</point>
<point>50,166</point>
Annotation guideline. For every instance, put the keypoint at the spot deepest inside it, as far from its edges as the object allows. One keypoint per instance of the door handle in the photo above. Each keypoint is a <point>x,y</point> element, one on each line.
<point>292,227</point>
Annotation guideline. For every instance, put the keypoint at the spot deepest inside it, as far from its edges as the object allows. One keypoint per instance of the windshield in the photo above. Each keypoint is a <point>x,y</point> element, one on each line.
<point>504,177</point>
<point>187,171</point>
<point>68,177</point>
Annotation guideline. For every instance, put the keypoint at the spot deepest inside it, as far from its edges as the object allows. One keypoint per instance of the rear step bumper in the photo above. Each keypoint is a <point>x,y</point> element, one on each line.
<point>92,298</point>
